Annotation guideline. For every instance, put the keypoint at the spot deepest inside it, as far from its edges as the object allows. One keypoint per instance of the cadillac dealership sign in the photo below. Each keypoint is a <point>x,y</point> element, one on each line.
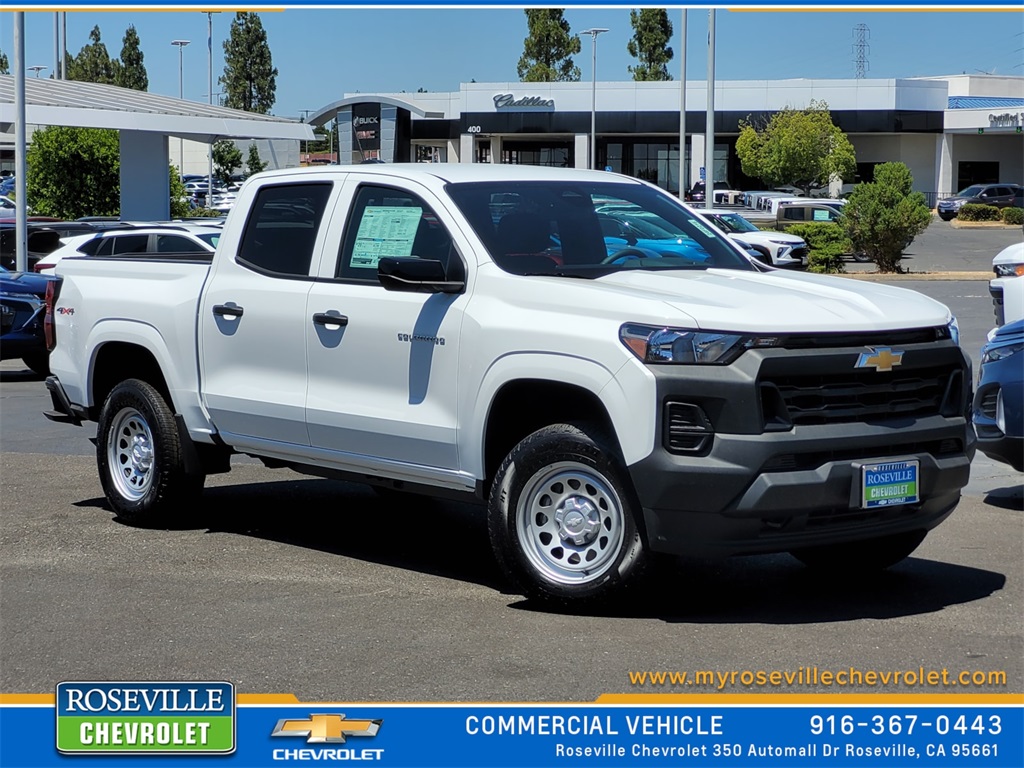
<point>509,103</point>
<point>1006,120</point>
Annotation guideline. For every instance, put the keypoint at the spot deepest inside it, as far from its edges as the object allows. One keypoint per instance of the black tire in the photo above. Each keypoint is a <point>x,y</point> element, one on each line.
<point>38,363</point>
<point>562,517</point>
<point>861,257</point>
<point>946,218</point>
<point>861,556</point>
<point>140,457</point>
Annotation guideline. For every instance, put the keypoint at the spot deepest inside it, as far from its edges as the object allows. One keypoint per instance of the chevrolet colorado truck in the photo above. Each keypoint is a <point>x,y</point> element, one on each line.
<point>467,331</point>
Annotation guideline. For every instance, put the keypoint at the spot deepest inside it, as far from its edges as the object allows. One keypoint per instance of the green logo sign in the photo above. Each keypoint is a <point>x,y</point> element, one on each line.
<point>145,718</point>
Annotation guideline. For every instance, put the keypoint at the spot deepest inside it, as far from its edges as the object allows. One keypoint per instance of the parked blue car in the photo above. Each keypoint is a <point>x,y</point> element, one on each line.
<point>22,311</point>
<point>999,400</point>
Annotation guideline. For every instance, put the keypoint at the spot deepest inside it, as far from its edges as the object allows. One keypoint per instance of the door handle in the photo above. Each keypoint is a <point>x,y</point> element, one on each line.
<point>229,311</point>
<point>330,318</point>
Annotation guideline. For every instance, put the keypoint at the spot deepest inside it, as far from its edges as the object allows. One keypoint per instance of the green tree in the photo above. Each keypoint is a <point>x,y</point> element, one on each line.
<point>5,67</point>
<point>179,195</point>
<point>802,147</point>
<point>253,162</point>
<point>132,72</point>
<point>883,217</point>
<point>93,64</point>
<point>250,78</point>
<point>651,32</point>
<point>74,172</point>
<point>549,48</point>
<point>227,158</point>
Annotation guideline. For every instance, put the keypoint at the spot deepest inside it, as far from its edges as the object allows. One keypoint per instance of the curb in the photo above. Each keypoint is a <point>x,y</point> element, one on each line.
<point>885,276</point>
<point>957,224</point>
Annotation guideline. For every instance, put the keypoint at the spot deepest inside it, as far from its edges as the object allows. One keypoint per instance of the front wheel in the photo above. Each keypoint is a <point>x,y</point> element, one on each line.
<point>38,363</point>
<point>140,457</point>
<point>860,556</point>
<point>861,257</point>
<point>561,517</point>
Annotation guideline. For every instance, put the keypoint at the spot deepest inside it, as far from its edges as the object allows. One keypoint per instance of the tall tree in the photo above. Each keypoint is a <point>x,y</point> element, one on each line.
<point>651,32</point>
<point>250,78</point>
<point>227,158</point>
<point>549,48</point>
<point>253,162</point>
<point>802,147</point>
<point>93,64</point>
<point>74,172</point>
<point>132,72</point>
<point>5,67</point>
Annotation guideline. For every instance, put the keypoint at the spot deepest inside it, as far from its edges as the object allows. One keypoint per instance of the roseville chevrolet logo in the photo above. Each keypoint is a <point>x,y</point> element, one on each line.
<point>326,729</point>
<point>880,358</point>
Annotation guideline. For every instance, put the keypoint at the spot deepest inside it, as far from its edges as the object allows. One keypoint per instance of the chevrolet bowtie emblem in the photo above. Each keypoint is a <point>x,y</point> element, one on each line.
<point>324,729</point>
<point>880,358</point>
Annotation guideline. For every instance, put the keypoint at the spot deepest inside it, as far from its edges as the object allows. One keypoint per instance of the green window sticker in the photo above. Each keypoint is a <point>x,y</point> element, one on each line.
<point>384,231</point>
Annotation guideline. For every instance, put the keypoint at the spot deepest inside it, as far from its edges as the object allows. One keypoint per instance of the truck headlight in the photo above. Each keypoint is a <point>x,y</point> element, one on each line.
<point>1009,270</point>
<point>954,331</point>
<point>1001,353</point>
<point>684,346</point>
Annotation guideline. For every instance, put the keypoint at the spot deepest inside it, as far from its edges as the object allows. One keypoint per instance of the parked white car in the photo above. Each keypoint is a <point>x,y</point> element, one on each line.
<point>170,241</point>
<point>776,248</point>
<point>1007,287</point>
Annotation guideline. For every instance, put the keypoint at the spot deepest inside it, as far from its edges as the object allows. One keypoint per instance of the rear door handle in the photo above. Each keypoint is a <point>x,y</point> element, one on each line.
<point>229,311</point>
<point>330,318</point>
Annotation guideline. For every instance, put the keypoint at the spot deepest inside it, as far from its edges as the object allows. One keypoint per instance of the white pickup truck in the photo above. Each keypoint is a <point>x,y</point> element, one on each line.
<point>471,331</point>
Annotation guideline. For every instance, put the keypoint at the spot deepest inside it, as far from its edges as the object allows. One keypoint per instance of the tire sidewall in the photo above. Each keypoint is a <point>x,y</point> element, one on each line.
<point>560,443</point>
<point>142,397</point>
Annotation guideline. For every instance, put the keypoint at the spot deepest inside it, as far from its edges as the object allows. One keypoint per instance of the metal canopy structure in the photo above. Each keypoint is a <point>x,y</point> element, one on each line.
<point>145,121</point>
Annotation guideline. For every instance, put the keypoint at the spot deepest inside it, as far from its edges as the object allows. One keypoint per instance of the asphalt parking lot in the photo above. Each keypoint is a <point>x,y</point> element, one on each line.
<point>282,583</point>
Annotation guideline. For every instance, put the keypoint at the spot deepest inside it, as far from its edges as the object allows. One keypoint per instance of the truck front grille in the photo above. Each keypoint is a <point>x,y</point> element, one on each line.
<point>852,396</point>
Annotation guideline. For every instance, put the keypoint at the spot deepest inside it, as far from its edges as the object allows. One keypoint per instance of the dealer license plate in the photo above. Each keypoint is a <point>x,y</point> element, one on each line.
<point>890,483</point>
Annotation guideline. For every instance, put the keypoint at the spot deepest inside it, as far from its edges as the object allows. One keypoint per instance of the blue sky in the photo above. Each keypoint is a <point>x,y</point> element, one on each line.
<point>322,53</point>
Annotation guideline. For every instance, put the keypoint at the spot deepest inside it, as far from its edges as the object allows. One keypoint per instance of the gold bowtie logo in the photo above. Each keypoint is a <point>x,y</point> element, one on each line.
<point>326,729</point>
<point>880,358</point>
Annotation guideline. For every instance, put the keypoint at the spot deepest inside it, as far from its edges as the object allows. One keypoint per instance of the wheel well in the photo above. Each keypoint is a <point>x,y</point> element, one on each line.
<point>118,361</point>
<point>522,407</point>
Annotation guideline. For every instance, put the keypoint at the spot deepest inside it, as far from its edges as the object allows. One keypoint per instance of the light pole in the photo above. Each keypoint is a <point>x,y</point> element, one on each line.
<point>181,142</point>
<point>593,32</point>
<point>209,77</point>
<point>37,68</point>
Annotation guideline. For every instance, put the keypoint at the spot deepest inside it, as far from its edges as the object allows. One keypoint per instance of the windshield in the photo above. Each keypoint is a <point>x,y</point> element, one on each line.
<point>970,191</point>
<point>590,229</point>
<point>733,222</point>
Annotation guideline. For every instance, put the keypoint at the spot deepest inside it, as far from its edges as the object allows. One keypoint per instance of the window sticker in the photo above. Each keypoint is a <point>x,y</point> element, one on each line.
<point>703,229</point>
<point>384,231</point>
<point>820,215</point>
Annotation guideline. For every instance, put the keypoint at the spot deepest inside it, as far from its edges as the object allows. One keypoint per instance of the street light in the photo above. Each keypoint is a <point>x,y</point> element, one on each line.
<point>37,69</point>
<point>593,32</point>
<point>181,142</point>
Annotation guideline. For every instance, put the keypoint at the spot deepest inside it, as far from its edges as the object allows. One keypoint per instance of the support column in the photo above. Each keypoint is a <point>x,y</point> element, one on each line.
<point>582,150</point>
<point>467,152</point>
<point>496,150</point>
<point>945,177</point>
<point>145,184</point>
<point>696,157</point>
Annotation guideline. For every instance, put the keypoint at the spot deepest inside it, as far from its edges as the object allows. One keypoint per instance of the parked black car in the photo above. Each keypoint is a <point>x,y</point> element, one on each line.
<point>999,400</point>
<point>22,311</point>
<point>697,192</point>
<point>999,195</point>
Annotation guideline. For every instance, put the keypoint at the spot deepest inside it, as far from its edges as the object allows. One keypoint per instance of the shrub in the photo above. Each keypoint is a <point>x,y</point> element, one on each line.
<point>827,243</point>
<point>883,216</point>
<point>976,212</point>
<point>1013,216</point>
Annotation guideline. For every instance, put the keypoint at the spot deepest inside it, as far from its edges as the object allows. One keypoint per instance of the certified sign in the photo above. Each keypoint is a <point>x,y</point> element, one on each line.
<point>884,485</point>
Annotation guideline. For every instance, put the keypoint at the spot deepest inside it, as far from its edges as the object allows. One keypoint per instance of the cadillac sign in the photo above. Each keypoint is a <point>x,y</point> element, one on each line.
<point>509,103</point>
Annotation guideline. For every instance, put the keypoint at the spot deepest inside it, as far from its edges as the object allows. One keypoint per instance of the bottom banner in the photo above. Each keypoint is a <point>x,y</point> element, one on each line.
<point>184,724</point>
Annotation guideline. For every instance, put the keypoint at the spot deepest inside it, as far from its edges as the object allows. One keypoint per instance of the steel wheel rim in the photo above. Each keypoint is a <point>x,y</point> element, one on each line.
<point>570,523</point>
<point>130,454</point>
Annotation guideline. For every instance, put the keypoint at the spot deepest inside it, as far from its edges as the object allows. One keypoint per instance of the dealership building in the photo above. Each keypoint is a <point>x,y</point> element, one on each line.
<point>951,131</point>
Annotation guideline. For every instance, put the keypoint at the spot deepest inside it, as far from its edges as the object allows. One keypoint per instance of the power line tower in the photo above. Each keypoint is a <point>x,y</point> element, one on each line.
<point>861,49</point>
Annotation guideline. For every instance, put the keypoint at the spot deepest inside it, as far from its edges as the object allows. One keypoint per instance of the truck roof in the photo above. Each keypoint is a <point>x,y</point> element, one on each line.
<point>457,172</point>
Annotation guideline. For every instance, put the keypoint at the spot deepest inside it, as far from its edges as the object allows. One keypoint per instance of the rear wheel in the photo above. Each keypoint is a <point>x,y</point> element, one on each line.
<point>562,517</point>
<point>140,457</point>
<point>859,556</point>
<point>861,257</point>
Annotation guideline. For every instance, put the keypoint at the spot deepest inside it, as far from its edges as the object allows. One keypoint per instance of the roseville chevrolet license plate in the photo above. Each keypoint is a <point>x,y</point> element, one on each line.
<point>884,485</point>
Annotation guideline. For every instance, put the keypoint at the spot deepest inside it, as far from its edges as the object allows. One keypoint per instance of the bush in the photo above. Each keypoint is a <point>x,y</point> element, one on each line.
<point>1013,215</point>
<point>828,245</point>
<point>976,212</point>
<point>883,216</point>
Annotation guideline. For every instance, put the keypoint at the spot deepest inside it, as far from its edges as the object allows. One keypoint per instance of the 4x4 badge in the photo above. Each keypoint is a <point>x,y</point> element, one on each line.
<point>880,358</point>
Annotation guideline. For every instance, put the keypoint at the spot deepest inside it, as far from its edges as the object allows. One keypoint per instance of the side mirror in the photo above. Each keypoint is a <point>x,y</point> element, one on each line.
<point>413,275</point>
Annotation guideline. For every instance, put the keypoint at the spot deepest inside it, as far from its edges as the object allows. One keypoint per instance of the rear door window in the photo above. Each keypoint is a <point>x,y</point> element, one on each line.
<point>125,244</point>
<point>281,231</point>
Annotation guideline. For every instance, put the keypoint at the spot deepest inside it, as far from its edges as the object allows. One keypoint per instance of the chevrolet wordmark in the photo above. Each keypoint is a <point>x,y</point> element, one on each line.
<point>471,331</point>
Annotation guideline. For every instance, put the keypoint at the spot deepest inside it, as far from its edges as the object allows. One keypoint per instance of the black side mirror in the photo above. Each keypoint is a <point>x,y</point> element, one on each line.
<point>416,276</point>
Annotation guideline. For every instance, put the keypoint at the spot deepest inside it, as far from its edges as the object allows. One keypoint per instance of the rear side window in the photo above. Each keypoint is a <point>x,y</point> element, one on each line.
<point>175,244</point>
<point>390,222</point>
<point>793,213</point>
<point>282,228</point>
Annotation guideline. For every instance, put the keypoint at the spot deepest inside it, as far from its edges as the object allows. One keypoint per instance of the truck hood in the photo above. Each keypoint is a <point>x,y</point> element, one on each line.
<point>776,301</point>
